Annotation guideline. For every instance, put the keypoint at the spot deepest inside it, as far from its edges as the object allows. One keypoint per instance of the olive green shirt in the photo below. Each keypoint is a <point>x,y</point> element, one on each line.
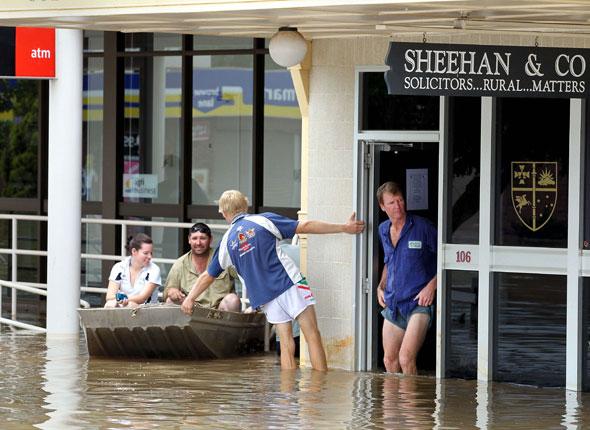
<point>184,276</point>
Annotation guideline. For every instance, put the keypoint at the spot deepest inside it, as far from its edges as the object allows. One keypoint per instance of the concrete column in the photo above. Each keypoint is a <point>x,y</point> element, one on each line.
<point>64,185</point>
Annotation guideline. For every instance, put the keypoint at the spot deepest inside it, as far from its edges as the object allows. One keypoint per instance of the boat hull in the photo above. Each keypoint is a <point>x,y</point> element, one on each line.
<point>164,332</point>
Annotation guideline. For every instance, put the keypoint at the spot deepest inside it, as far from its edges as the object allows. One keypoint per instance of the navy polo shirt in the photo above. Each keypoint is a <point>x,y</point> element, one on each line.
<point>411,264</point>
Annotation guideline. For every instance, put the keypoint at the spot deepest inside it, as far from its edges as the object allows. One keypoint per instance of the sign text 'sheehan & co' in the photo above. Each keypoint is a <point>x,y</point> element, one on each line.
<point>483,70</point>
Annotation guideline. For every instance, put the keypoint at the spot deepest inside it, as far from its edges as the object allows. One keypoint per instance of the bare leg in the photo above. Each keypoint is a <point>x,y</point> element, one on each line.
<point>412,342</point>
<point>392,342</point>
<point>285,332</point>
<point>111,304</point>
<point>309,326</point>
<point>231,302</point>
<point>170,301</point>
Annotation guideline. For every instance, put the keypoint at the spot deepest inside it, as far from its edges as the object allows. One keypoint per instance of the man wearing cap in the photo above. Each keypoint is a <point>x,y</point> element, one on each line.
<point>187,269</point>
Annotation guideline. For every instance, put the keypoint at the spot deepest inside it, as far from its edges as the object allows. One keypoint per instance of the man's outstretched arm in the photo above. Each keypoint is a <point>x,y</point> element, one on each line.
<point>352,226</point>
<point>203,282</point>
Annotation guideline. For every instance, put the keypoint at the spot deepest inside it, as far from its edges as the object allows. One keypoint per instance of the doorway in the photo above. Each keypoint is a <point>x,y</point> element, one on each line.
<point>413,165</point>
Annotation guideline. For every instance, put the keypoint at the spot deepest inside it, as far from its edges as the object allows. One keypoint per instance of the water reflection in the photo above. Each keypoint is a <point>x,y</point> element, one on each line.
<point>78,392</point>
<point>62,374</point>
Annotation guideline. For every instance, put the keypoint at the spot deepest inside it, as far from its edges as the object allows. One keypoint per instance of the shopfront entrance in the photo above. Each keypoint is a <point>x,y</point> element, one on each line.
<point>414,166</point>
<point>410,158</point>
<point>503,179</point>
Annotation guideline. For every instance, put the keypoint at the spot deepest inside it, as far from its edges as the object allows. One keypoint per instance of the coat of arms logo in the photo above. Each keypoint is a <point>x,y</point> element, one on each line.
<point>534,192</point>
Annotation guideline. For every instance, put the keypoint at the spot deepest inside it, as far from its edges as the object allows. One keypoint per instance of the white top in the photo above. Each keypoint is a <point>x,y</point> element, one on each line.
<point>120,275</point>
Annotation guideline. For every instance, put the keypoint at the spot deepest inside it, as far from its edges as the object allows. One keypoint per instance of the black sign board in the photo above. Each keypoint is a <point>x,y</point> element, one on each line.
<point>484,70</point>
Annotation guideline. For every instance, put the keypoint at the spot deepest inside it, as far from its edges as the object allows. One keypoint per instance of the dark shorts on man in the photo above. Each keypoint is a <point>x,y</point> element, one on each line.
<point>402,322</point>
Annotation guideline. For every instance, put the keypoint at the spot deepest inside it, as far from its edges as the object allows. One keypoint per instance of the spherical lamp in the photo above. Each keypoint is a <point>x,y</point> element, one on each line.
<point>287,47</point>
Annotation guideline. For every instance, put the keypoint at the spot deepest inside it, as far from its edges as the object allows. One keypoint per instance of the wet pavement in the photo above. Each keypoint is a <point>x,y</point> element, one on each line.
<point>55,385</point>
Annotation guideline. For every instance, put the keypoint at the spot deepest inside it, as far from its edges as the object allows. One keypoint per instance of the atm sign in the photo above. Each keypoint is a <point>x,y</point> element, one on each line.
<point>27,52</point>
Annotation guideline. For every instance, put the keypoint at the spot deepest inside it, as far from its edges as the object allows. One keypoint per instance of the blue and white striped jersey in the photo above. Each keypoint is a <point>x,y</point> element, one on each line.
<point>251,245</point>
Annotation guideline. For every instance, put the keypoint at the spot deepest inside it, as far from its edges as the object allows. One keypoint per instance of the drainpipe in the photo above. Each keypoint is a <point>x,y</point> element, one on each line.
<point>64,185</point>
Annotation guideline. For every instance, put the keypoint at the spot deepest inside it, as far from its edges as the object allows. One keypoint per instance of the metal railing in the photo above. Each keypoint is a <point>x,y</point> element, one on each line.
<point>41,289</point>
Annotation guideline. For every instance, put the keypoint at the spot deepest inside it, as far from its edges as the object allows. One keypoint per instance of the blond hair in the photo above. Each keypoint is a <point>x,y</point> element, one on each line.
<point>233,202</point>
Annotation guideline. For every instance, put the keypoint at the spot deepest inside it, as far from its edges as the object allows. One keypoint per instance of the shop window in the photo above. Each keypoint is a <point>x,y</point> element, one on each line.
<point>146,42</point>
<point>532,172</point>
<point>152,124</point>
<point>222,126</point>
<point>92,124</point>
<point>381,111</point>
<point>29,270</point>
<point>282,139</point>
<point>586,334</point>
<point>530,329</point>
<point>586,187</point>
<point>19,137</point>
<point>93,41</point>
<point>165,241</point>
<point>91,275</point>
<point>462,293</point>
<point>205,43</point>
<point>464,167</point>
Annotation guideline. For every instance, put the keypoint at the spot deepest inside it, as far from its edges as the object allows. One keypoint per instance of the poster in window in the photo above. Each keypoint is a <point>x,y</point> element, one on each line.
<point>417,189</point>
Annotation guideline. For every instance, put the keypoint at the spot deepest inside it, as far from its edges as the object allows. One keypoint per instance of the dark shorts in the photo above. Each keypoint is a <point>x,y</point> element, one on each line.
<point>402,322</point>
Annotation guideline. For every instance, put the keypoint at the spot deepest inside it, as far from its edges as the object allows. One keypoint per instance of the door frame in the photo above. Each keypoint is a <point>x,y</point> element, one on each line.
<point>365,168</point>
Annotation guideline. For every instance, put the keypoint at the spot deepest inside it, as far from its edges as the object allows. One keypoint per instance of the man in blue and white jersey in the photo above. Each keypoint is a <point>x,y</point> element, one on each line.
<point>273,281</point>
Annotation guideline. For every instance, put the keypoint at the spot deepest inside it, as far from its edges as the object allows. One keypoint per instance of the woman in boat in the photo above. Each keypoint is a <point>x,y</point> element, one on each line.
<point>135,280</point>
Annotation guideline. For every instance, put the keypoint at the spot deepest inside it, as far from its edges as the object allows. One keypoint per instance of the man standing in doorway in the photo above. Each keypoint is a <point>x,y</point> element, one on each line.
<point>408,282</point>
<point>272,280</point>
<point>187,269</point>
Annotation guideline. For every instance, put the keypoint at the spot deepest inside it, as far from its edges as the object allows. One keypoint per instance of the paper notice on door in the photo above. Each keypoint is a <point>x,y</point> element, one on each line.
<point>416,189</point>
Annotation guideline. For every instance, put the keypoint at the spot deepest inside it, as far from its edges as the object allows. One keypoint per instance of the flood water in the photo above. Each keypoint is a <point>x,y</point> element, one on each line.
<point>55,385</point>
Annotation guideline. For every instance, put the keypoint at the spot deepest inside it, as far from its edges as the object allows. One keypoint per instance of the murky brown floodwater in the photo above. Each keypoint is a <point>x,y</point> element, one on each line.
<point>55,385</point>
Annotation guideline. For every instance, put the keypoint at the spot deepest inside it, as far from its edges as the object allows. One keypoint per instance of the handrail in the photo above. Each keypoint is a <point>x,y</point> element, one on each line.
<point>33,290</point>
<point>41,289</point>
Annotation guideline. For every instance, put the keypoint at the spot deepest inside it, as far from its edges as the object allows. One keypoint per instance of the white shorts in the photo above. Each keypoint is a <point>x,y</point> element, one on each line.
<point>289,305</point>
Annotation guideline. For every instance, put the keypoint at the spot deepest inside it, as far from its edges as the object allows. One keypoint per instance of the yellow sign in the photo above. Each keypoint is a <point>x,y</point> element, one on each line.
<point>534,192</point>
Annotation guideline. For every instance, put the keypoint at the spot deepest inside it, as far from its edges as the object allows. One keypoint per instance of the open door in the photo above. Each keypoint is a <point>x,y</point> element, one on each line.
<point>414,166</point>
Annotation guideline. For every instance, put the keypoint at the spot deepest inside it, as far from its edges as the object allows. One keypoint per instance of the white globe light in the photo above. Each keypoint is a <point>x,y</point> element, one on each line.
<point>287,47</point>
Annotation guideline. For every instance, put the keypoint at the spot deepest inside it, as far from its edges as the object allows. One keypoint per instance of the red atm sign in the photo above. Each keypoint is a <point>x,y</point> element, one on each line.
<point>27,52</point>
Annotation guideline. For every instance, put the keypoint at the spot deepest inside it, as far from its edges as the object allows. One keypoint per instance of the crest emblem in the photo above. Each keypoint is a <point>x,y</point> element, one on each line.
<point>534,192</point>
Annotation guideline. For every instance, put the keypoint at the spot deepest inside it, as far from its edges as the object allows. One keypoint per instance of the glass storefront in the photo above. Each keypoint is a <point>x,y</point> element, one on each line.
<point>532,179</point>
<point>19,137</point>
<point>530,328</point>
<point>462,300</point>
<point>176,119</point>
<point>222,126</point>
<point>586,334</point>
<point>464,131</point>
<point>382,111</point>
<point>92,129</point>
<point>282,139</point>
<point>151,141</point>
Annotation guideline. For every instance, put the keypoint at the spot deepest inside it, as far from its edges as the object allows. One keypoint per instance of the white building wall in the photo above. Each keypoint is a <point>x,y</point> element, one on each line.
<point>331,138</point>
<point>331,131</point>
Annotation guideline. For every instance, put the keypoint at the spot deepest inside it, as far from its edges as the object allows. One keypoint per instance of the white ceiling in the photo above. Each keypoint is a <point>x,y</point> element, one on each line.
<point>314,19</point>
